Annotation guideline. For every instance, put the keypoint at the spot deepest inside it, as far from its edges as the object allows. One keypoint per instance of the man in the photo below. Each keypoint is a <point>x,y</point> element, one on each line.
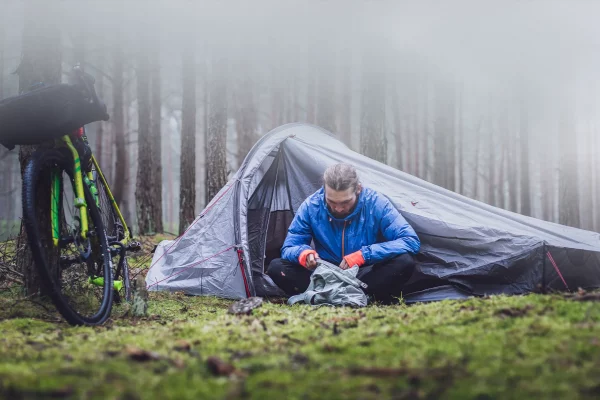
<point>349,225</point>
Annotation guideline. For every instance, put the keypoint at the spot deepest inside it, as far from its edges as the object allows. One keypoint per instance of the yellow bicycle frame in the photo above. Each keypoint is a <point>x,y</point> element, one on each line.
<point>127,236</point>
<point>80,197</point>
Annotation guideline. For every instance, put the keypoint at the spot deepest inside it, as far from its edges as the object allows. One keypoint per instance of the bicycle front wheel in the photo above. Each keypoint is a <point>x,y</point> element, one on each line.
<point>76,270</point>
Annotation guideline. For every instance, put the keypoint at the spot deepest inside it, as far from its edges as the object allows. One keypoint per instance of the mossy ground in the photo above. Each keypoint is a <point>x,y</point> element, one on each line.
<point>501,347</point>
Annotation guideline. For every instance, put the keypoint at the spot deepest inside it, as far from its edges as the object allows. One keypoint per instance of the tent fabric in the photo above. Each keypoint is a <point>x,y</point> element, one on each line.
<point>467,247</point>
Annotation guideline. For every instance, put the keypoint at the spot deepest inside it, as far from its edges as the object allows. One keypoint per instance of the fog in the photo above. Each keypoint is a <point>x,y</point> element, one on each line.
<point>487,76</point>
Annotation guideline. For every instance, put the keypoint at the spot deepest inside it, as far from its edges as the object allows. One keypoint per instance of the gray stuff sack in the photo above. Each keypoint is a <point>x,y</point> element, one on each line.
<point>331,285</point>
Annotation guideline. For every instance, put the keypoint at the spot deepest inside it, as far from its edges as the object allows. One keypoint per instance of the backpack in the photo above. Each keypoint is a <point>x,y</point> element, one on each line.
<point>331,285</point>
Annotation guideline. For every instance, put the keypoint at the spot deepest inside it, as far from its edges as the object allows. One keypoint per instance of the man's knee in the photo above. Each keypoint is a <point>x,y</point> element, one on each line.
<point>276,267</point>
<point>405,261</point>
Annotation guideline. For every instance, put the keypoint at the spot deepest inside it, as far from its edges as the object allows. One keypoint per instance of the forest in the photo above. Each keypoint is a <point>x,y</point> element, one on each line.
<point>494,101</point>
<point>478,102</point>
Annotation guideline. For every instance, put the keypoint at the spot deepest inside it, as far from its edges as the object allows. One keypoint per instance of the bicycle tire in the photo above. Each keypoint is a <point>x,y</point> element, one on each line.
<point>34,182</point>
<point>115,232</point>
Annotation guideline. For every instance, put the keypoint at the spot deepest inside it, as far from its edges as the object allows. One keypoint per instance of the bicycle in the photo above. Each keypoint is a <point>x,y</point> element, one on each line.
<point>76,239</point>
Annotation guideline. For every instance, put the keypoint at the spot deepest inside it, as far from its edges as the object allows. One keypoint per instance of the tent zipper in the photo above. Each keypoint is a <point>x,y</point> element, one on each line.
<point>343,238</point>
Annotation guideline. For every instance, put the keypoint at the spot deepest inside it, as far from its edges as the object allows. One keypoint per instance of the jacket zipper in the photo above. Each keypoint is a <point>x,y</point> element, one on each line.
<point>343,234</point>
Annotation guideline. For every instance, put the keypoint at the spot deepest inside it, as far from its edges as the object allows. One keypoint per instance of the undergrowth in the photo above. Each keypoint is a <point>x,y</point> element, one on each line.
<point>532,346</point>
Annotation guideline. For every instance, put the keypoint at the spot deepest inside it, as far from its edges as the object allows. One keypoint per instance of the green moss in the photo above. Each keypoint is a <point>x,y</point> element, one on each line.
<point>501,347</point>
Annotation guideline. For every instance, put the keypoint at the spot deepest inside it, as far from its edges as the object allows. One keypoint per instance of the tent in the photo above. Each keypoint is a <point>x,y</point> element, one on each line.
<point>467,247</point>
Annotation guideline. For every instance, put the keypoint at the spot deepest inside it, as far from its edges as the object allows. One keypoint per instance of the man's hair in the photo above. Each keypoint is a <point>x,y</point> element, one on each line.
<point>340,177</point>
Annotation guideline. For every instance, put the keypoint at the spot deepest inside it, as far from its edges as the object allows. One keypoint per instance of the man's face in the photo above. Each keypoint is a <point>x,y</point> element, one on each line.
<point>341,203</point>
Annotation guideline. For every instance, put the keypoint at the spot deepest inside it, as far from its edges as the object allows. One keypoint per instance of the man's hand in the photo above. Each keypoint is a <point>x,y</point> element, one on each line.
<point>344,265</point>
<point>311,261</point>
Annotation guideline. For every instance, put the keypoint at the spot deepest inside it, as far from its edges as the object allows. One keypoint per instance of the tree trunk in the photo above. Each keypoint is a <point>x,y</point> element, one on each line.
<point>444,147</point>
<point>40,62</point>
<point>399,132</point>
<point>524,150</point>
<point>155,84</point>
<point>216,162</point>
<point>373,142</point>
<point>461,142</point>
<point>5,161</point>
<point>144,192</point>
<point>246,117</point>
<point>187,189</point>
<point>311,93</point>
<point>325,100</point>
<point>568,203</point>
<point>99,138</point>
<point>513,172</point>
<point>345,108</point>
<point>1,62</point>
<point>118,120</point>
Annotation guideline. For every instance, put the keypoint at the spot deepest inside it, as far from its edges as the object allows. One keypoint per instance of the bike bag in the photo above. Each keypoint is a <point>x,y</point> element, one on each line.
<point>45,114</point>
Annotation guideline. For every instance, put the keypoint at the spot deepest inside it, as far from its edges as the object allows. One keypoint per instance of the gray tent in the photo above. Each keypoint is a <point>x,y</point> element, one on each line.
<point>467,247</point>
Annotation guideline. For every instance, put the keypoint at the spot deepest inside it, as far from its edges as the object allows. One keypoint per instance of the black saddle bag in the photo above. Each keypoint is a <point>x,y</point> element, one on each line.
<point>45,114</point>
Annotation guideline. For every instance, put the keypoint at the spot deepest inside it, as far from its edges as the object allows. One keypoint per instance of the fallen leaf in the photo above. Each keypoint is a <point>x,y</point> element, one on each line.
<point>182,345</point>
<point>219,367</point>
<point>138,354</point>
<point>282,321</point>
<point>514,312</point>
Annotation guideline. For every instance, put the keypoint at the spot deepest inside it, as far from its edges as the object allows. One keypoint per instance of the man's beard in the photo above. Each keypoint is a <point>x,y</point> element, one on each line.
<point>340,215</point>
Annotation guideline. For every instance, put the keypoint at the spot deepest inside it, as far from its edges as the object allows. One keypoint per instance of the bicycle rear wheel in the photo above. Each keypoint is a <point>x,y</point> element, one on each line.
<point>77,271</point>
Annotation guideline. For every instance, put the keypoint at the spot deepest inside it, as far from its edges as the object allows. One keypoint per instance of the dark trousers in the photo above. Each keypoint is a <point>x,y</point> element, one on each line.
<point>385,280</point>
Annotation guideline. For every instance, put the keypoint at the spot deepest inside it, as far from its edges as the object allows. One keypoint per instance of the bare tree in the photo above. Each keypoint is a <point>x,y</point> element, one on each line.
<point>444,145</point>
<point>399,131</point>
<point>155,142</point>
<point>524,150</point>
<point>118,121</point>
<point>246,116</point>
<point>144,193</point>
<point>345,107</point>
<point>326,100</point>
<point>187,189</point>
<point>1,62</point>
<point>216,162</point>
<point>40,62</point>
<point>568,209</point>
<point>373,142</point>
<point>311,92</point>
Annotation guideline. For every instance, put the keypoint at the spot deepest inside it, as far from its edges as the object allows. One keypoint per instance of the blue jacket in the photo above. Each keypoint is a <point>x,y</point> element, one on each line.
<point>375,227</point>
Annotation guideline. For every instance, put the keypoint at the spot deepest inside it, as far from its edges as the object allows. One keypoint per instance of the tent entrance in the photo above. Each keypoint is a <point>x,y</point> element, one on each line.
<point>270,213</point>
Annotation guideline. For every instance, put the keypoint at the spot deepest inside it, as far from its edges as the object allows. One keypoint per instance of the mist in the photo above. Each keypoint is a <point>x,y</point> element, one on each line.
<point>495,100</point>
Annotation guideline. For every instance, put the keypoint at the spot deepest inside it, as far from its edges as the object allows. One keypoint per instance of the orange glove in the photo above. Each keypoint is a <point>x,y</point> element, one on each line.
<point>304,254</point>
<point>355,258</point>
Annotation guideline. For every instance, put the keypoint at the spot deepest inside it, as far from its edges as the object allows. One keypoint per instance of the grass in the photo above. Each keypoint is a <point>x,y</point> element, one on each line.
<point>189,347</point>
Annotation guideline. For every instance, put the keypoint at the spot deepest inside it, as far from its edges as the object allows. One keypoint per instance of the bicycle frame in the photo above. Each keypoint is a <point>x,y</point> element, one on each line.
<point>79,180</point>
<point>79,199</point>
<point>127,233</point>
